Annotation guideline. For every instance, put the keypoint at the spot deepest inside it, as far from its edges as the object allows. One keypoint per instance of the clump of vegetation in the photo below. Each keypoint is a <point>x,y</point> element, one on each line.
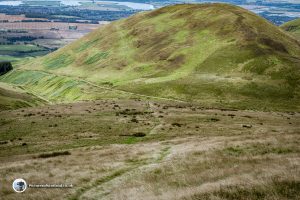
<point>132,112</point>
<point>213,119</point>
<point>54,154</point>
<point>29,115</point>
<point>3,142</point>
<point>134,120</point>
<point>5,67</point>
<point>176,124</point>
<point>139,134</point>
<point>247,126</point>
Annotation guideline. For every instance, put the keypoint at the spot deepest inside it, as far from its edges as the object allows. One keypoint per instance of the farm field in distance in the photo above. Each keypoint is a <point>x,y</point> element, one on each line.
<point>18,51</point>
<point>53,24</point>
<point>31,37</point>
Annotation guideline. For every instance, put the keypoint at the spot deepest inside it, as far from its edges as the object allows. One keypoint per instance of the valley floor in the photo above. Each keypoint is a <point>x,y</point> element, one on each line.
<point>133,149</point>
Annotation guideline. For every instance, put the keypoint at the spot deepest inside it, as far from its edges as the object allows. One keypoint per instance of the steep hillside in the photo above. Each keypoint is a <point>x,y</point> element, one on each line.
<point>13,98</point>
<point>293,27</point>
<point>213,54</point>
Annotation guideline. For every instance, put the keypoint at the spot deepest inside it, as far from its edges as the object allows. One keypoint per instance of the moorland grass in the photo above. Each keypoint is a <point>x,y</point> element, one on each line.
<point>251,59</point>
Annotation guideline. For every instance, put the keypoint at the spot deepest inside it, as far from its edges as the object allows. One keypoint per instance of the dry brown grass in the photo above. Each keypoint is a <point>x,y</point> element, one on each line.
<point>186,153</point>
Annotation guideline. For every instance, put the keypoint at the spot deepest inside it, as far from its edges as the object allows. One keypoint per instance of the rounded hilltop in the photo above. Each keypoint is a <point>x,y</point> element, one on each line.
<point>209,53</point>
<point>293,27</point>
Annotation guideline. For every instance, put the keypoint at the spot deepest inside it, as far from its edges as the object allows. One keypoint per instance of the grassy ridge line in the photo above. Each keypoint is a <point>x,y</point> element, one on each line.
<point>292,27</point>
<point>54,88</point>
<point>102,87</point>
<point>34,94</point>
<point>30,92</point>
<point>14,97</point>
<point>132,93</point>
<point>92,91</point>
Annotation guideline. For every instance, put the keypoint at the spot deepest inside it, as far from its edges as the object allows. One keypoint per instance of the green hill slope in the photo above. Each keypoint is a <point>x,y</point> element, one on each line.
<point>212,54</point>
<point>12,98</point>
<point>293,27</point>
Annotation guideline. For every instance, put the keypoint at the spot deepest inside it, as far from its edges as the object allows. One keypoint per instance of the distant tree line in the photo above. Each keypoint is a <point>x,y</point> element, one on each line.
<point>13,31</point>
<point>23,38</point>
<point>34,20</point>
<point>81,14</point>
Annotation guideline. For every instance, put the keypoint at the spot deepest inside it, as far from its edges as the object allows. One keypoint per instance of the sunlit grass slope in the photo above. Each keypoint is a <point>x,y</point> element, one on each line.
<point>213,54</point>
<point>293,27</point>
<point>12,97</point>
<point>56,88</point>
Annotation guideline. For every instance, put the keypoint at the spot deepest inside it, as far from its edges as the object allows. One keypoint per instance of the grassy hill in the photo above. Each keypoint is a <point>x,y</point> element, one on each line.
<point>212,54</point>
<point>12,97</point>
<point>293,27</point>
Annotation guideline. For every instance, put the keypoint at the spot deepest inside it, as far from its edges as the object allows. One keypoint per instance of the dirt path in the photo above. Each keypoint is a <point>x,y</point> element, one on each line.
<point>167,151</point>
<point>158,119</point>
<point>101,188</point>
